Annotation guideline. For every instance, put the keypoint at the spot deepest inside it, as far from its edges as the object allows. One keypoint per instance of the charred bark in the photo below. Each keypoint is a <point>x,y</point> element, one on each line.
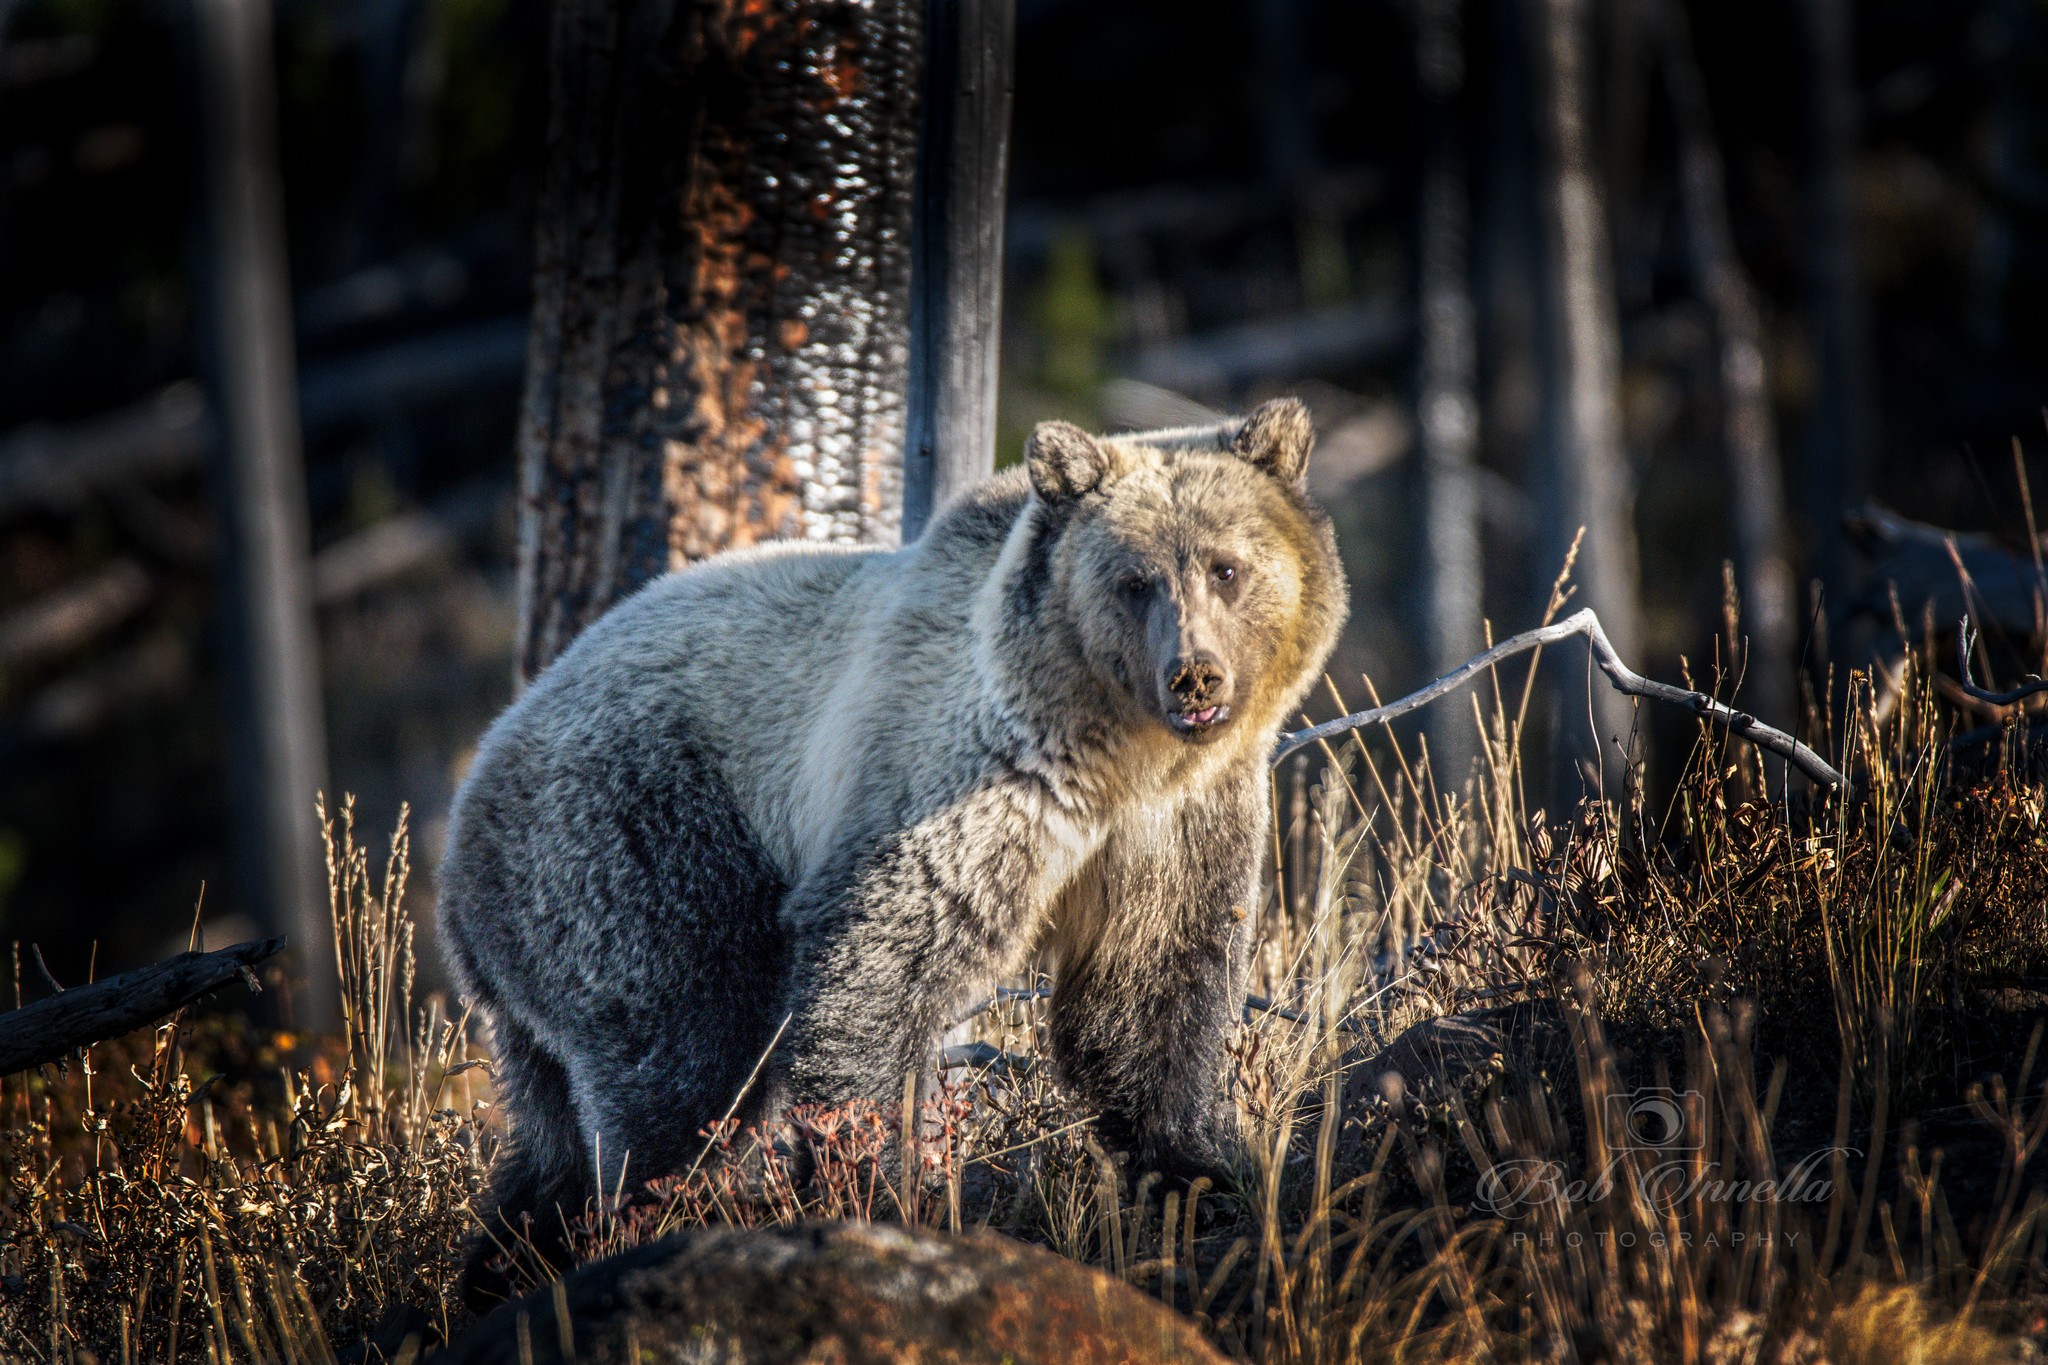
<point>719,337</point>
<point>56,1026</point>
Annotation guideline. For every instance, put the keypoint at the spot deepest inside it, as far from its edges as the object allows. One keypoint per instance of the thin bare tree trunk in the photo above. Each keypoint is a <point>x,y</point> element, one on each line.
<point>1453,563</point>
<point>1748,431</point>
<point>1588,480</point>
<point>1841,432</point>
<point>720,326</point>
<point>280,736</point>
<point>957,273</point>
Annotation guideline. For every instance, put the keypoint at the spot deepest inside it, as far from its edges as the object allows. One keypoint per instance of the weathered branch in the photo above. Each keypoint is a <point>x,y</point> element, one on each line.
<point>1966,640</point>
<point>1213,363</point>
<point>1921,573</point>
<point>58,1025</point>
<point>985,1057</point>
<point>1003,994</point>
<point>1625,679</point>
<point>1265,1006</point>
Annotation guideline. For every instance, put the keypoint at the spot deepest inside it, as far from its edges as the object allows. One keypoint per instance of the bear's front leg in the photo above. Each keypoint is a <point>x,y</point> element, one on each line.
<point>887,938</point>
<point>1150,985</point>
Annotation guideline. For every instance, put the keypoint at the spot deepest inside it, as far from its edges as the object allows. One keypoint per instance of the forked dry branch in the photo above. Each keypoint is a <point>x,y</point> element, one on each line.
<point>1625,679</point>
<point>2032,685</point>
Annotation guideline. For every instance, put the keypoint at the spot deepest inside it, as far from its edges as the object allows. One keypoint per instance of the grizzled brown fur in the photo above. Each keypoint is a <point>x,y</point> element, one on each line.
<point>851,789</point>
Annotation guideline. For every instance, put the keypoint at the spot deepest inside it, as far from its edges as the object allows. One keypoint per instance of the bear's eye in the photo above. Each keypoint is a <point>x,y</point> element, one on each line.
<point>1224,573</point>
<point>1134,585</point>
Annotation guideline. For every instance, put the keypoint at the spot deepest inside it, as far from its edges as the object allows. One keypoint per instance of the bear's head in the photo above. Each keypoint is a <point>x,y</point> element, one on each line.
<point>1187,569</point>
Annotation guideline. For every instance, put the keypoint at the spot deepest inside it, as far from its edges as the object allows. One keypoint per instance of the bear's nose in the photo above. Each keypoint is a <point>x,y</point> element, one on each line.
<point>1196,679</point>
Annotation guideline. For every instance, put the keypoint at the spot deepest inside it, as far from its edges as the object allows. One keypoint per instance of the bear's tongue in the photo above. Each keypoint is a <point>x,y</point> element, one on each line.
<point>1203,716</point>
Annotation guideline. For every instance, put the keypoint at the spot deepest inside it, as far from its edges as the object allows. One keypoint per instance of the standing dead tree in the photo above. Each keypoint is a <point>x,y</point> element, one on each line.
<point>956,278</point>
<point>1586,474</point>
<point>1454,573</point>
<point>278,726</point>
<point>1748,431</point>
<point>721,291</point>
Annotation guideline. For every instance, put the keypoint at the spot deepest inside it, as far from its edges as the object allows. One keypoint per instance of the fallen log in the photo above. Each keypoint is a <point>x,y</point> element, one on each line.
<point>73,617</point>
<point>1213,364</point>
<point>58,1025</point>
<point>1930,569</point>
<point>58,465</point>
<point>1923,575</point>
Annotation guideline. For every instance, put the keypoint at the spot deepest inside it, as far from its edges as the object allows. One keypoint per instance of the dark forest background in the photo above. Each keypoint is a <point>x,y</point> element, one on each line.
<point>1210,202</point>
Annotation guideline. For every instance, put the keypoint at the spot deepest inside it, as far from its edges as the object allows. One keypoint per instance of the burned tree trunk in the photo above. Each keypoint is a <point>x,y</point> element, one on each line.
<point>1453,568</point>
<point>1748,431</point>
<point>721,304</point>
<point>1585,470</point>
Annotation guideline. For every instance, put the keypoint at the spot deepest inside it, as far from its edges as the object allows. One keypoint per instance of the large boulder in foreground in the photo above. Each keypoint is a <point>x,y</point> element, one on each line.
<point>843,1293</point>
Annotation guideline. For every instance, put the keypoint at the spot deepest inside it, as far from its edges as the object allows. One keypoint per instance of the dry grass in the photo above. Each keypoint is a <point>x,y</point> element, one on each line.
<point>291,1197</point>
<point>1826,992</point>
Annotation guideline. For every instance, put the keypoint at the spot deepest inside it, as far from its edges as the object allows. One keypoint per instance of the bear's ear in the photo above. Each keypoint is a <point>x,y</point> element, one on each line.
<point>1065,461</point>
<point>1277,437</point>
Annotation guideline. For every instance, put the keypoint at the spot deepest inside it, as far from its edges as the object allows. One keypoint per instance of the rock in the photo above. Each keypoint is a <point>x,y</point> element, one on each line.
<point>1459,1055</point>
<point>837,1293</point>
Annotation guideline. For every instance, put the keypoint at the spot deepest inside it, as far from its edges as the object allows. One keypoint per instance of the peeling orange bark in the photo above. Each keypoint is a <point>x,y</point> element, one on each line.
<point>720,329</point>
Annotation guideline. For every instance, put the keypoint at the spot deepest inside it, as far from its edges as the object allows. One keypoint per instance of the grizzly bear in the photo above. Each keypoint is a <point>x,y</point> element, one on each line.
<point>822,796</point>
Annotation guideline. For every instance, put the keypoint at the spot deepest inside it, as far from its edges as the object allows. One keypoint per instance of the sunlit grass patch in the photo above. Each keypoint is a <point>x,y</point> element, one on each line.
<point>1827,1011</point>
